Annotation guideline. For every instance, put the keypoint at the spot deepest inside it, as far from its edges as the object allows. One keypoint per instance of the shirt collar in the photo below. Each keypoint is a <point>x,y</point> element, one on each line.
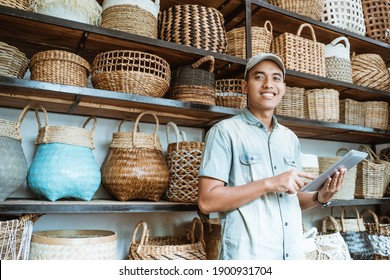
<point>248,117</point>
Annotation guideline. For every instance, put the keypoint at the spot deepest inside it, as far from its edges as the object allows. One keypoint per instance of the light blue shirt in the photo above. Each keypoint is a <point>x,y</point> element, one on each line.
<point>239,150</point>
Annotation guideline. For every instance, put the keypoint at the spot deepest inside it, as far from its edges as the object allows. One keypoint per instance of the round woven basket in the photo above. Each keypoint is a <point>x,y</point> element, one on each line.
<point>229,93</point>
<point>311,8</point>
<point>292,103</point>
<point>376,114</point>
<point>13,63</point>
<point>60,67</point>
<point>377,19</point>
<point>131,72</point>
<point>18,4</point>
<point>322,105</point>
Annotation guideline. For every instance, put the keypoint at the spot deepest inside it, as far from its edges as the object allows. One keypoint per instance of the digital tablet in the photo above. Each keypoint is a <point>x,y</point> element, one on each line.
<point>347,161</point>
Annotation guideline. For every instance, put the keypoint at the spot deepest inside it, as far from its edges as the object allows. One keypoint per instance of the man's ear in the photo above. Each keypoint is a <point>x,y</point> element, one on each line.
<point>244,87</point>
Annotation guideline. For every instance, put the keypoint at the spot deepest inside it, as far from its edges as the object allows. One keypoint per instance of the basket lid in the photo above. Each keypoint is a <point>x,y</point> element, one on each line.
<point>149,5</point>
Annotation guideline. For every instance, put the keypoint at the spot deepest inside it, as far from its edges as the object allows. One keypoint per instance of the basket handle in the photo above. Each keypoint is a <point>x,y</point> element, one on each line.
<point>384,220</point>
<point>196,221</point>
<point>343,214</point>
<point>40,107</point>
<point>180,136</point>
<point>339,39</point>
<point>333,221</point>
<point>144,235</point>
<point>208,58</point>
<point>370,152</point>
<point>205,220</point>
<point>311,29</point>
<point>120,125</point>
<point>373,215</point>
<point>155,130</point>
<point>268,26</point>
<point>93,125</point>
<point>22,115</point>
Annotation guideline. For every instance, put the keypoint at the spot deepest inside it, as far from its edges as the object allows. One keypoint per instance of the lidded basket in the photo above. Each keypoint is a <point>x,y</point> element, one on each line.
<point>13,63</point>
<point>18,4</point>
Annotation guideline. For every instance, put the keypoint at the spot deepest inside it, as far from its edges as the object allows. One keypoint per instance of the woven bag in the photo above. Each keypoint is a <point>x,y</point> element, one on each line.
<point>13,167</point>
<point>292,103</point>
<point>13,63</point>
<point>60,67</point>
<point>322,105</point>
<point>261,38</point>
<point>311,8</point>
<point>190,83</point>
<point>352,112</point>
<point>345,14</point>
<point>212,235</point>
<point>132,16</point>
<point>167,247</point>
<point>301,54</point>
<point>377,19</point>
<point>131,72</point>
<point>85,11</point>
<point>193,25</point>
<point>229,93</point>
<point>347,224</point>
<point>18,4</point>
<point>183,159</point>
<point>74,245</point>
<point>64,165</point>
<point>376,114</point>
<point>134,167</point>
<point>337,61</point>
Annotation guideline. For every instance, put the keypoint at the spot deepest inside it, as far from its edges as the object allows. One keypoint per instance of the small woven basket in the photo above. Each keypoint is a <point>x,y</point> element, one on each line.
<point>311,8</point>
<point>229,93</point>
<point>322,105</point>
<point>352,112</point>
<point>60,67</point>
<point>13,63</point>
<point>377,19</point>
<point>131,72</point>
<point>338,69</point>
<point>212,235</point>
<point>18,4</point>
<point>292,103</point>
<point>376,114</point>
<point>261,40</point>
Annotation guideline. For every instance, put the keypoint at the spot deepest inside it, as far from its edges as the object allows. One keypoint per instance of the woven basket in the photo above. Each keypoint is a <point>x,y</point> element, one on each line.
<point>60,67</point>
<point>322,105</point>
<point>301,54</point>
<point>193,25</point>
<point>345,14</point>
<point>310,165</point>
<point>311,8</point>
<point>376,114</point>
<point>127,71</point>
<point>261,38</point>
<point>136,17</point>
<point>85,11</point>
<point>370,70</point>
<point>377,19</point>
<point>384,155</point>
<point>193,84</point>
<point>183,159</point>
<point>352,112</point>
<point>229,93</point>
<point>292,103</point>
<point>337,60</point>
<point>18,4</point>
<point>134,167</point>
<point>212,235</point>
<point>74,245</point>
<point>347,223</point>
<point>13,63</point>
<point>167,247</point>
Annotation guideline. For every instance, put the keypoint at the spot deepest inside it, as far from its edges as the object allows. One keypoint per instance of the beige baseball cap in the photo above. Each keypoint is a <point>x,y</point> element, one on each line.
<point>264,56</point>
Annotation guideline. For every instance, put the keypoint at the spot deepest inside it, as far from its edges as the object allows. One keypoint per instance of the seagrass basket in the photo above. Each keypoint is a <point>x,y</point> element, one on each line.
<point>292,103</point>
<point>299,53</point>
<point>193,25</point>
<point>311,8</point>
<point>60,67</point>
<point>377,19</point>
<point>229,93</point>
<point>338,69</point>
<point>322,105</point>
<point>13,63</point>
<point>376,114</point>
<point>212,235</point>
<point>131,72</point>
<point>261,38</point>
<point>18,4</point>
<point>352,112</point>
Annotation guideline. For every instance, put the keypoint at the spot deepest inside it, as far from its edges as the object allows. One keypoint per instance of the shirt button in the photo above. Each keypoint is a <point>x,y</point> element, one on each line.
<point>286,224</point>
<point>274,167</point>
<point>280,195</point>
<point>251,158</point>
<point>286,255</point>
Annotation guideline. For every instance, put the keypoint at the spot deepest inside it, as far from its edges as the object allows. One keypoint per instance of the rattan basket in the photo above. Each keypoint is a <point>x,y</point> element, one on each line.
<point>229,93</point>
<point>377,19</point>
<point>311,8</point>
<point>352,112</point>
<point>301,54</point>
<point>292,103</point>
<point>131,72</point>
<point>212,235</point>
<point>322,105</point>
<point>13,63</point>
<point>18,4</point>
<point>376,114</point>
<point>261,38</point>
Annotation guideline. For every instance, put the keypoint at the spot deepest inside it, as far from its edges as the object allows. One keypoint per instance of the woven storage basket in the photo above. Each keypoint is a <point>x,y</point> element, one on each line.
<point>261,38</point>
<point>13,167</point>
<point>74,245</point>
<point>384,155</point>
<point>322,105</point>
<point>132,16</point>
<point>60,67</point>
<point>292,103</point>
<point>190,83</point>
<point>376,114</point>
<point>345,14</point>
<point>193,25</point>
<point>18,4</point>
<point>370,70</point>
<point>301,54</point>
<point>212,235</point>
<point>85,11</point>
<point>347,223</point>
<point>229,93</point>
<point>337,61</point>
<point>352,112</point>
<point>183,159</point>
<point>167,247</point>
<point>134,167</point>
<point>13,63</point>
<point>64,165</point>
<point>377,19</point>
<point>311,8</point>
<point>131,72</point>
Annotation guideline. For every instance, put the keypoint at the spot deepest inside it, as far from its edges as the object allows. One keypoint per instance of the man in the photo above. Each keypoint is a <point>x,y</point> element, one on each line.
<point>250,173</point>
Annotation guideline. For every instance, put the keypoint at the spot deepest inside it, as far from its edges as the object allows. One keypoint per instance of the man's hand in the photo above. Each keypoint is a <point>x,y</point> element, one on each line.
<point>290,182</point>
<point>331,186</point>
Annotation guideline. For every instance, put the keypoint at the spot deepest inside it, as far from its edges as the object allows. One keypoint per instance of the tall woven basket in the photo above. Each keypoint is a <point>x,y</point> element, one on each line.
<point>194,25</point>
<point>292,103</point>
<point>337,61</point>
<point>229,93</point>
<point>376,114</point>
<point>134,167</point>
<point>352,112</point>
<point>18,4</point>
<point>13,63</point>
<point>322,105</point>
<point>377,19</point>
<point>311,8</point>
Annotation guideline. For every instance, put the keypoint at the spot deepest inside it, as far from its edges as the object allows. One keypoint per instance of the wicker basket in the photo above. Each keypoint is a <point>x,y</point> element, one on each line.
<point>261,38</point>
<point>127,71</point>
<point>292,103</point>
<point>74,245</point>
<point>212,235</point>
<point>134,167</point>
<point>167,247</point>
<point>337,60</point>
<point>229,93</point>
<point>322,105</point>
<point>301,54</point>
<point>193,84</point>
<point>345,14</point>
<point>376,114</point>
<point>310,165</point>
<point>13,63</point>
<point>60,67</point>
<point>18,4</point>
<point>194,25</point>
<point>384,155</point>
<point>136,17</point>
<point>377,19</point>
<point>352,112</point>
<point>311,8</point>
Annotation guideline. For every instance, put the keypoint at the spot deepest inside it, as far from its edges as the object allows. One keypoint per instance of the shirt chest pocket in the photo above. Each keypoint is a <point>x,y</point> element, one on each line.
<point>289,163</point>
<point>252,167</point>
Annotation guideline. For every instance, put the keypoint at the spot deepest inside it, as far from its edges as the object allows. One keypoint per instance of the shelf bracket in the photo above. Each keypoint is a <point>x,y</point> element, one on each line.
<point>248,31</point>
<point>83,41</point>
<point>75,104</point>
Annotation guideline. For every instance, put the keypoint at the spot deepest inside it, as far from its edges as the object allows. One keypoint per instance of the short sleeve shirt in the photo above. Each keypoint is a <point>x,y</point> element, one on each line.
<point>240,150</point>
